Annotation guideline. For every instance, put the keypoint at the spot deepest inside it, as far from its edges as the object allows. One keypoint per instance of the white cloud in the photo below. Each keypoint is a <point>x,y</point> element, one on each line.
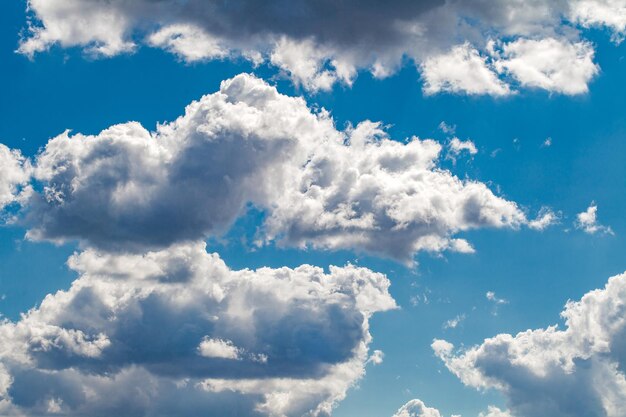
<point>599,13</point>
<point>247,144</point>
<point>14,175</point>
<point>554,65</point>
<point>377,357</point>
<point>417,408</point>
<point>218,348</point>
<point>588,221</point>
<point>319,43</point>
<point>446,128</point>
<point>457,146</point>
<point>461,70</point>
<point>491,296</point>
<point>454,322</point>
<point>188,42</point>
<point>556,372</point>
<point>176,331</point>
<point>545,218</point>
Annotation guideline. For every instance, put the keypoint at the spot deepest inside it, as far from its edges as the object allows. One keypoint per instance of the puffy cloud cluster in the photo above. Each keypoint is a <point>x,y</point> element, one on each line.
<point>570,372</point>
<point>130,189</point>
<point>417,408</point>
<point>14,176</point>
<point>588,221</point>
<point>175,331</point>
<point>319,43</point>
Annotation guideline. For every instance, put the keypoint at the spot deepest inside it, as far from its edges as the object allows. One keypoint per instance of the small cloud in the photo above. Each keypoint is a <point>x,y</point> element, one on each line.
<point>491,296</point>
<point>545,218</point>
<point>377,357</point>
<point>454,323</point>
<point>495,152</point>
<point>447,129</point>
<point>587,221</point>
<point>457,146</point>
<point>547,143</point>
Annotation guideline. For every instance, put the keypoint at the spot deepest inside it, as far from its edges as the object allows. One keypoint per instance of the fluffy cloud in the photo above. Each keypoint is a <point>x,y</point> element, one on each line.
<point>14,175</point>
<point>575,371</point>
<point>319,43</point>
<point>176,331</point>
<point>417,408</point>
<point>462,69</point>
<point>588,221</point>
<point>130,189</point>
<point>550,64</point>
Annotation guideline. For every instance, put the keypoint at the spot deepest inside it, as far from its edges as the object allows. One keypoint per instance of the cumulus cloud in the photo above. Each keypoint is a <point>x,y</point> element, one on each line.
<point>14,176</point>
<point>588,221</point>
<point>462,69</point>
<point>457,146</point>
<point>417,408</point>
<point>562,372</point>
<point>130,189</point>
<point>319,43</point>
<point>544,219</point>
<point>551,64</point>
<point>175,331</point>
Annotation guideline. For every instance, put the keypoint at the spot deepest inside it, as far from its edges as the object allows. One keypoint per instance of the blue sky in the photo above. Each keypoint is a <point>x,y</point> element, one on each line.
<point>536,272</point>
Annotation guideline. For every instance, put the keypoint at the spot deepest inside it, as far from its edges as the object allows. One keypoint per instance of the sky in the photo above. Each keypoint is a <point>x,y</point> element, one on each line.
<point>373,209</point>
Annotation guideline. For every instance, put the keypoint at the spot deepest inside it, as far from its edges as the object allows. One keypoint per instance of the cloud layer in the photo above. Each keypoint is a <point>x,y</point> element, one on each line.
<point>319,43</point>
<point>175,331</point>
<point>130,189</point>
<point>570,372</point>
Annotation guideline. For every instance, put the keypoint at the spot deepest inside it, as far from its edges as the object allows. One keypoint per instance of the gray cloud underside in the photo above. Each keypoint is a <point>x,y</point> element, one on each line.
<point>319,43</point>
<point>176,331</point>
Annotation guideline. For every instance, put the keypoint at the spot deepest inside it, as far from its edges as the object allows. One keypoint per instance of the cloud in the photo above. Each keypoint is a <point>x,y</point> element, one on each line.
<point>545,218</point>
<point>588,221</point>
<point>130,189</point>
<point>491,296</point>
<point>461,70</point>
<point>574,371</point>
<point>454,322</point>
<point>551,64</point>
<point>457,146</point>
<point>377,357</point>
<point>14,176</point>
<point>175,331</point>
<point>417,408</point>
<point>320,43</point>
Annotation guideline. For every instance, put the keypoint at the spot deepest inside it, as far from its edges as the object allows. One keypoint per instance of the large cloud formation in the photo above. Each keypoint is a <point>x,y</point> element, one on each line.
<point>319,43</point>
<point>176,331</point>
<point>130,189</point>
<point>571,372</point>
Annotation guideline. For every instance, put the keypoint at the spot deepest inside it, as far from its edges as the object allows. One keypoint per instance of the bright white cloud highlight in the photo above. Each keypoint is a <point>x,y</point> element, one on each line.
<point>588,221</point>
<point>578,370</point>
<point>551,64</point>
<point>14,175</point>
<point>247,144</point>
<point>461,70</point>
<point>176,331</point>
<point>417,408</point>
